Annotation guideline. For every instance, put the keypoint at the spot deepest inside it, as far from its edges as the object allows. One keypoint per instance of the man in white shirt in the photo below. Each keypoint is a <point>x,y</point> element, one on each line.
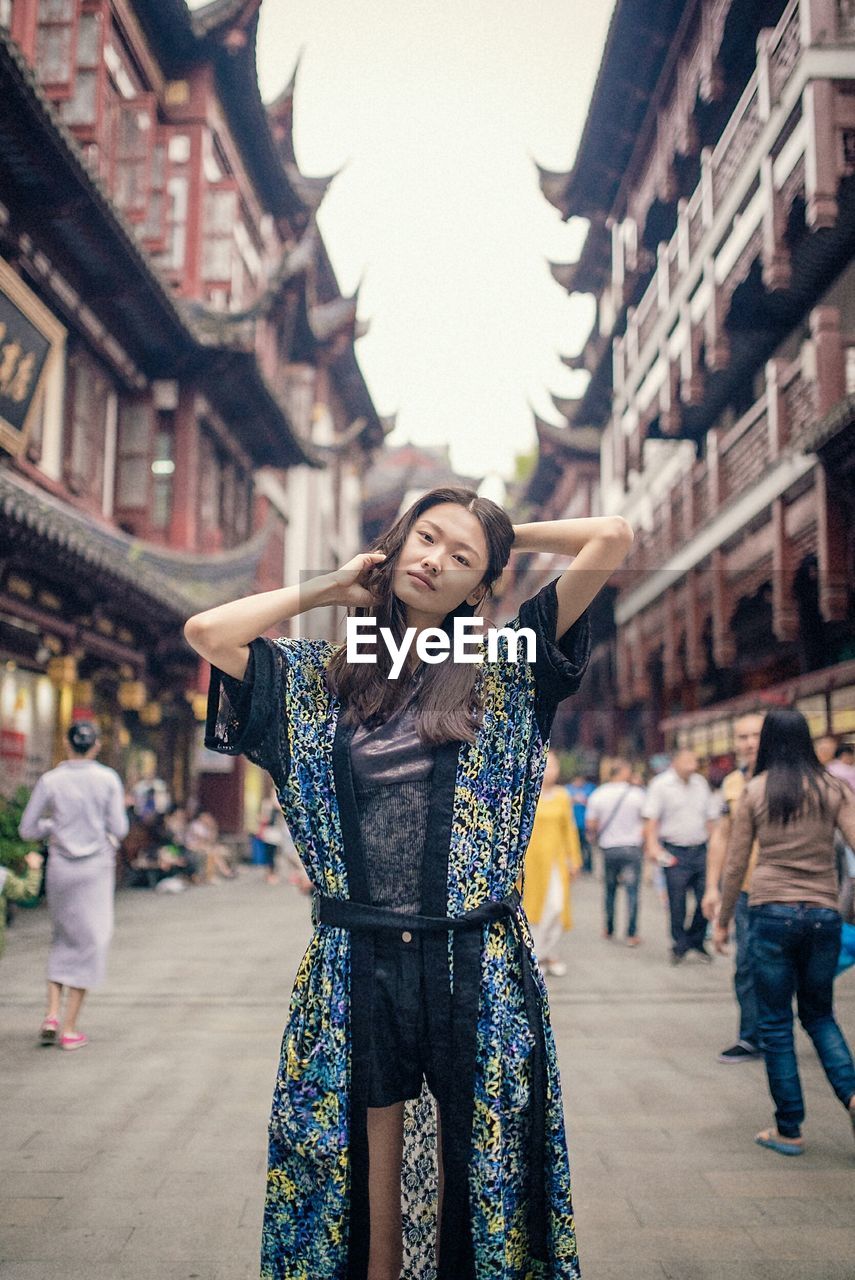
<point>613,818</point>
<point>680,811</point>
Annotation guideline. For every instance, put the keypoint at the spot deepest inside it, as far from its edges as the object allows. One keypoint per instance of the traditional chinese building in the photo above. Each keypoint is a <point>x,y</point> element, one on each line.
<point>563,484</point>
<point>399,476</point>
<point>182,416</point>
<point>717,171</point>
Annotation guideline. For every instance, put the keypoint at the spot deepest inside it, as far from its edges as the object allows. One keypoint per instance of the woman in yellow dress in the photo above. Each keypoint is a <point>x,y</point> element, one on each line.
<point>552,862</point>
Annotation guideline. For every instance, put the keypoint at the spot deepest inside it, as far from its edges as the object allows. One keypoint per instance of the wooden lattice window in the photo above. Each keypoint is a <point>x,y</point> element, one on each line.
<point>153,228</point>
<point>135,122</point>
<point>88,392</point>
<point>133,467</point>
<point>163,471</point>
<point>218,247</point>
<point>81,107</point>
<point>56,45</point>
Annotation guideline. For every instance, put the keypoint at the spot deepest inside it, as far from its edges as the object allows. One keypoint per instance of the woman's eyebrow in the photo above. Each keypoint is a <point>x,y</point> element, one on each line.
<point>465,545</point>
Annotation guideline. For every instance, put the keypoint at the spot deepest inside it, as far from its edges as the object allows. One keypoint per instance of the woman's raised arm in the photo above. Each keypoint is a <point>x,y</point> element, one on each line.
<point>222,635</point>
<point>599,545</point>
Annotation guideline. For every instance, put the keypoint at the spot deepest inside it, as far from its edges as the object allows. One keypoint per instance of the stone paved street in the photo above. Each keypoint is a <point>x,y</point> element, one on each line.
<point>142,1157</point>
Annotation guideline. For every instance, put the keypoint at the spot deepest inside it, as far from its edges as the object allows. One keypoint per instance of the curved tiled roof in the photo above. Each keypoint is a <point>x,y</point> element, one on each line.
<point>180,582</point>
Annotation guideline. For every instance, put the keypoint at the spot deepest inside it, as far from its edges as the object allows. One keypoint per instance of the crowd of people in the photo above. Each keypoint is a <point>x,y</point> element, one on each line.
<point>767,853</point>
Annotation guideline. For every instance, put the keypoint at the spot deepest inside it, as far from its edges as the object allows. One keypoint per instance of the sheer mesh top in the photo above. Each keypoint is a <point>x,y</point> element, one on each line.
<point>392,771</point>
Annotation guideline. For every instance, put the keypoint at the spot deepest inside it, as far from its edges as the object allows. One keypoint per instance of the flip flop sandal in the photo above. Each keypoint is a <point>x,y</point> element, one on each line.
<point>779,1144</point>
<point>49,1030</point>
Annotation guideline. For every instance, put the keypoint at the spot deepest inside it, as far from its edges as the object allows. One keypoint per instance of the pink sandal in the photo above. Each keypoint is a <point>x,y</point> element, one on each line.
<point>73,1042</point>
<point>48,1030</point>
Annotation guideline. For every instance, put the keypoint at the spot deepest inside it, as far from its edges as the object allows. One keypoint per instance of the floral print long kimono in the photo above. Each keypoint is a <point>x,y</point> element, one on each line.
<point>507,1203</point>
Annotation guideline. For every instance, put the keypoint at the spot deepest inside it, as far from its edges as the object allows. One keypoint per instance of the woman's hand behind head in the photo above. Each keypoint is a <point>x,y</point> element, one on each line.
<point>348,581</point>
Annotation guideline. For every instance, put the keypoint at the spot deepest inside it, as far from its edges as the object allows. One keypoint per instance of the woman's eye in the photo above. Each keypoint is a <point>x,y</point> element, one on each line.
<point>463,561</point>
<point>426,535</point>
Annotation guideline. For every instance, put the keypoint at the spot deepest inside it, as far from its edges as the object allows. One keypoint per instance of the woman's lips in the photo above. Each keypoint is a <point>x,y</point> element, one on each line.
<point>419,577</point>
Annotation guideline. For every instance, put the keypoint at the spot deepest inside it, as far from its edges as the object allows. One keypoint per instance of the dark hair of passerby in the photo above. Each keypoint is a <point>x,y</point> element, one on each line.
<point>82,736</point>
<point>845,749</point>
<point>794,774</point>
<point>448,709</point>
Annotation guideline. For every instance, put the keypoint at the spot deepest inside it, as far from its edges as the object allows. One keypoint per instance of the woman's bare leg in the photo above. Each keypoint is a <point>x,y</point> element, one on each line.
<point>385,1153</point>
<point>72,1009</point>
<point>54,997</point>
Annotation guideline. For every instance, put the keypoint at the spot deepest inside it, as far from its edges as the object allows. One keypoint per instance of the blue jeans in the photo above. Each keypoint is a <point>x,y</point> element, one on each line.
<point>622,865</point>
<point>688,872</point>
<point>794,947</point>
<point>743,978</point>
<point>587,851</point>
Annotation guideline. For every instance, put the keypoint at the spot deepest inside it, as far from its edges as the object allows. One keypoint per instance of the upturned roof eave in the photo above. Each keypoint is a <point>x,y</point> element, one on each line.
<point>618,105</point>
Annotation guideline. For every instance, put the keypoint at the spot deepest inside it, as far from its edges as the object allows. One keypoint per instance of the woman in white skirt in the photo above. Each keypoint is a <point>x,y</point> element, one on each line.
<point>79,808</point>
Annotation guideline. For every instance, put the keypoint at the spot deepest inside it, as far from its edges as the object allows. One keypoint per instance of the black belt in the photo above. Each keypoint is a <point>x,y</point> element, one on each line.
<point>459,1065</point>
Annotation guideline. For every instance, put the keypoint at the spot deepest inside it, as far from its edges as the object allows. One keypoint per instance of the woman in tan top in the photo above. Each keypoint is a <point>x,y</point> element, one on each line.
<point>791,807</point>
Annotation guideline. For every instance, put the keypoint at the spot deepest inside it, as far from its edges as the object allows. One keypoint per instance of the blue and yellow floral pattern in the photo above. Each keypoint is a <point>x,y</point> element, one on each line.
<point>306,1217</point>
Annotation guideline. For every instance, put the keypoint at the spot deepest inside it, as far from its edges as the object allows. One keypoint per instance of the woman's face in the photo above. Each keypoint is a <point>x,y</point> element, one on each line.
<point>442,563</point>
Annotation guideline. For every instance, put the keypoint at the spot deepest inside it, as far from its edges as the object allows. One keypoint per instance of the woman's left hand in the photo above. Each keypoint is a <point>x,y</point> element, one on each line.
<point>721,933</point>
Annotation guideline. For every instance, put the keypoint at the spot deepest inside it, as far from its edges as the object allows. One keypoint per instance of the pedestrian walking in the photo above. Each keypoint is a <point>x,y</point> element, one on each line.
<point>791,808</point>
<point>411,800</point>
<point>269,833</point>
<point>552,862</point>
<point>14,888</point>
<point>842,765</point>
<point>614,822</point>
<point>79,809</point>
<point>679,812</point>
<point>746,737</point>
<point>580,789</point>
<point>826,749</point>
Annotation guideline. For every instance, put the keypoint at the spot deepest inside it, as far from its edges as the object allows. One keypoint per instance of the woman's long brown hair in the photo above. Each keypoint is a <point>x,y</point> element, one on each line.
<point>448,709</point>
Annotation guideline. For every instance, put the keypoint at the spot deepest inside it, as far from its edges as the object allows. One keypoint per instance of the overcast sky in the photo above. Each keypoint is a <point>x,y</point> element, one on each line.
<point>438,111</point>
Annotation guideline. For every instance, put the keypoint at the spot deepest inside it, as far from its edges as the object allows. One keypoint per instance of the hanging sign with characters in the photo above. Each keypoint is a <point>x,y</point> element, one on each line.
<point>30,337</point>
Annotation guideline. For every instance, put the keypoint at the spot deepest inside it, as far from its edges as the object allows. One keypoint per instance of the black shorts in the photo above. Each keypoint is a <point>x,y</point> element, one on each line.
<point>400,1057</point>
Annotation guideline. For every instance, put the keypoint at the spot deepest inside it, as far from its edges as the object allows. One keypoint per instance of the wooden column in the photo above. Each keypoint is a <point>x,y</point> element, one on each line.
<point>831,550</point>
<point>688,504</point>
<point>821,169</point>
<point>184,525</point>
<point>776,408</point>
<point>714,495</point>
<point>691,370</point>
<point>670,409</point>
<point>818,19</point>
<point>694,656</point>
<point>830,358</point>
<point>715,334</point>
<point>669,657</point>
<point>785,618</point>
<point>724,645</point>
<point>640,674</point>
<point>776,255</point>
<point>623,669</point>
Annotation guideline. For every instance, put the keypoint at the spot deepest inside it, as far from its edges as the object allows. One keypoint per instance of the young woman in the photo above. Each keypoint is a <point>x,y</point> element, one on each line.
<point>791,808</point>
<point>79,809</point>
<point>552,862</point>
<point>411,801</point>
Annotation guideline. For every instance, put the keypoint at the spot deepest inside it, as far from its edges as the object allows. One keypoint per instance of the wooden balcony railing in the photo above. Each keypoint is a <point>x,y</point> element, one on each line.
<point>737,458</point>
<point>720,168</point>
